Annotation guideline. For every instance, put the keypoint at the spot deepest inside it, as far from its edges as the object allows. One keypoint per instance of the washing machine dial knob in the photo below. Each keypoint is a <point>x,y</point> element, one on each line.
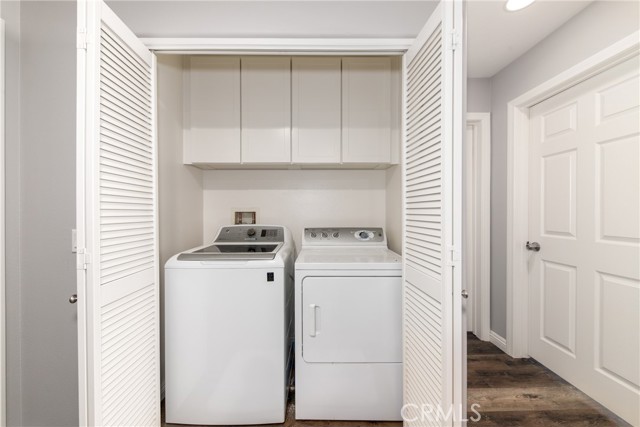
<point>324,234</point>
<point>364,235</point>
<point>251,232</point>
<point>336,234</point>
<point>313,235</point>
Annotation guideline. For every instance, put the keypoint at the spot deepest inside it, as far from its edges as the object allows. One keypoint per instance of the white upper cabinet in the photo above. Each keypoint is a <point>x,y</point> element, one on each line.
<point>313,111</point>
<point>266,109</point>
<point>316,110</point>
<point>212,109</point>
<point>366,110</point>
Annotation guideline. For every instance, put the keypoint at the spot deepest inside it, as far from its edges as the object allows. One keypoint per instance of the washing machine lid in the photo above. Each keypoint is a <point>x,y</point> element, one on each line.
<point>349,259</point>
<point>232,251</point>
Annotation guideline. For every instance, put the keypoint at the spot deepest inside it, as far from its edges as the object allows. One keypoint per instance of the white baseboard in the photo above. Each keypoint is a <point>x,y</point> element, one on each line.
<point>498,341</point>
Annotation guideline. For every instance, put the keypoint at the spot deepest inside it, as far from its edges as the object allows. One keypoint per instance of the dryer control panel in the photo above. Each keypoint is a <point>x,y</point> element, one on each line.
<point>344,236</point>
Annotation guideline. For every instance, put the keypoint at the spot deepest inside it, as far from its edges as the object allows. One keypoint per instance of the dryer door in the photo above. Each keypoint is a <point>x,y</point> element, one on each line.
<point>352,319</point>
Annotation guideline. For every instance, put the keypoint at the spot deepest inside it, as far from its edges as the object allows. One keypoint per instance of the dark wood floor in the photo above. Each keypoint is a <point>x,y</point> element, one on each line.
<point>521,392</point>
<point>510,392</point>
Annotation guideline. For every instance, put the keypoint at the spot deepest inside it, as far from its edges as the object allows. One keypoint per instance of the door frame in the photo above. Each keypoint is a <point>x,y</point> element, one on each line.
<point>3,311</point>
<point>518,180</point>
<point>478,256</point>
<point>277,46</point>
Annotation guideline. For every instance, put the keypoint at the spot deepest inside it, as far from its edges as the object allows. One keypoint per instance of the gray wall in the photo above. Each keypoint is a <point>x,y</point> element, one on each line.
<point>478,95</point>
<point>596,27</point>
<point>40,161</point>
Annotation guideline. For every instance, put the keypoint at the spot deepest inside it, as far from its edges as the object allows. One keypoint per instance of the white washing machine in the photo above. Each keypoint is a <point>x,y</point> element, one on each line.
<point>348,309</point>
<point>229,328</point>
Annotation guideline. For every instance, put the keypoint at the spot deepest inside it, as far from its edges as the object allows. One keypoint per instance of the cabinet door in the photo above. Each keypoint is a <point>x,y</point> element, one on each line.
<point>212,103</point>
<point>366,110</point>
<point>316,111</point>
<point>266,109</point>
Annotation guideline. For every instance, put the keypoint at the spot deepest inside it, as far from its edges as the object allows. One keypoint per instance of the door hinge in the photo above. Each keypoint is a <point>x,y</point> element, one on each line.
<point>455,256</point>
<point>81,41</point>
<point>83,259</point>
<point>454,40</point>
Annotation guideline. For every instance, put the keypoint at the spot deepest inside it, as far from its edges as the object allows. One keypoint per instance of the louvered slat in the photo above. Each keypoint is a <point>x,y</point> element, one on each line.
<point>424,149</point>
<point>128,335</point>
<point>423,324</point>
<point>127,203</point>
<point>423,349</point>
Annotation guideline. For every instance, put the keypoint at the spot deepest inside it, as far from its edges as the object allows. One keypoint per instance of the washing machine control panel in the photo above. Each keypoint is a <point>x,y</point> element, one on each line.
<point>347,236</point>
<point>250,233</point>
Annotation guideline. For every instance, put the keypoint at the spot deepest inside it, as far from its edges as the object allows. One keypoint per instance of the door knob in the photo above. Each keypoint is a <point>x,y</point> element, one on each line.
<point>465,294</point>
<point>533,246</point>
<point>73,299</point>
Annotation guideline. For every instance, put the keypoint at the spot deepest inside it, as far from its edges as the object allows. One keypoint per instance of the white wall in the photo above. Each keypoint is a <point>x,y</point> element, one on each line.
<point>596,27</point>
<point>295,198</point>
<point>179,186</point>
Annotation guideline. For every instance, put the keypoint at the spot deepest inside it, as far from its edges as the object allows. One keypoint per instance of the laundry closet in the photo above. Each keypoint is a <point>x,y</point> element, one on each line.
<point>294,141</point>
<point>299,140</point>
<point>175,143</point>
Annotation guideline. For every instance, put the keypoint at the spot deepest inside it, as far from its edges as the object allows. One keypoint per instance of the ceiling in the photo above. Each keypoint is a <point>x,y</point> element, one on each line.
<point>495,37</point>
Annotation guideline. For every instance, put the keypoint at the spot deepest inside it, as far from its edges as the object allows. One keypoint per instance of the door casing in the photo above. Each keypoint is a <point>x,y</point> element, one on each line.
<point>477,256</point>
<point>3,346</point>
<point>518,181</point>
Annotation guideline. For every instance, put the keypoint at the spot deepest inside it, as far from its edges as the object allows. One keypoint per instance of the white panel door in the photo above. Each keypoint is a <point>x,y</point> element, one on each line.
<point>212,104</point>
<point>316,109</point>
<point>366,110</point>
<point>584,186</point>
<point>344,321</point>
<point>118,296</point>
<point>434,326</point>
<point>266,109</point>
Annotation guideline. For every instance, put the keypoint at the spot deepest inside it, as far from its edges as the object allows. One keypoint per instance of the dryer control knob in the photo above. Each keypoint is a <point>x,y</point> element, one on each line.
<point>336,234</point>
<point>324,234</point>
<point>313,235</point>
<point>251,232</point>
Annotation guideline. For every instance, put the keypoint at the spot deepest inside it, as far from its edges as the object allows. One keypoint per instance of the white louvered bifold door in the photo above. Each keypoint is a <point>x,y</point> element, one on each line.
<point>433,365</point>
<point>118,291</point>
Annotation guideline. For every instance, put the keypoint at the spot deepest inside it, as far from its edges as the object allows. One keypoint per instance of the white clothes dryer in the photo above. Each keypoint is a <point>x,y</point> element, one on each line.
<point>348,310</point>
<point>229,328</point>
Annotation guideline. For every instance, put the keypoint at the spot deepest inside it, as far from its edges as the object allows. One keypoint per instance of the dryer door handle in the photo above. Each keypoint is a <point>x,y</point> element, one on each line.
<point>314,320</point>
